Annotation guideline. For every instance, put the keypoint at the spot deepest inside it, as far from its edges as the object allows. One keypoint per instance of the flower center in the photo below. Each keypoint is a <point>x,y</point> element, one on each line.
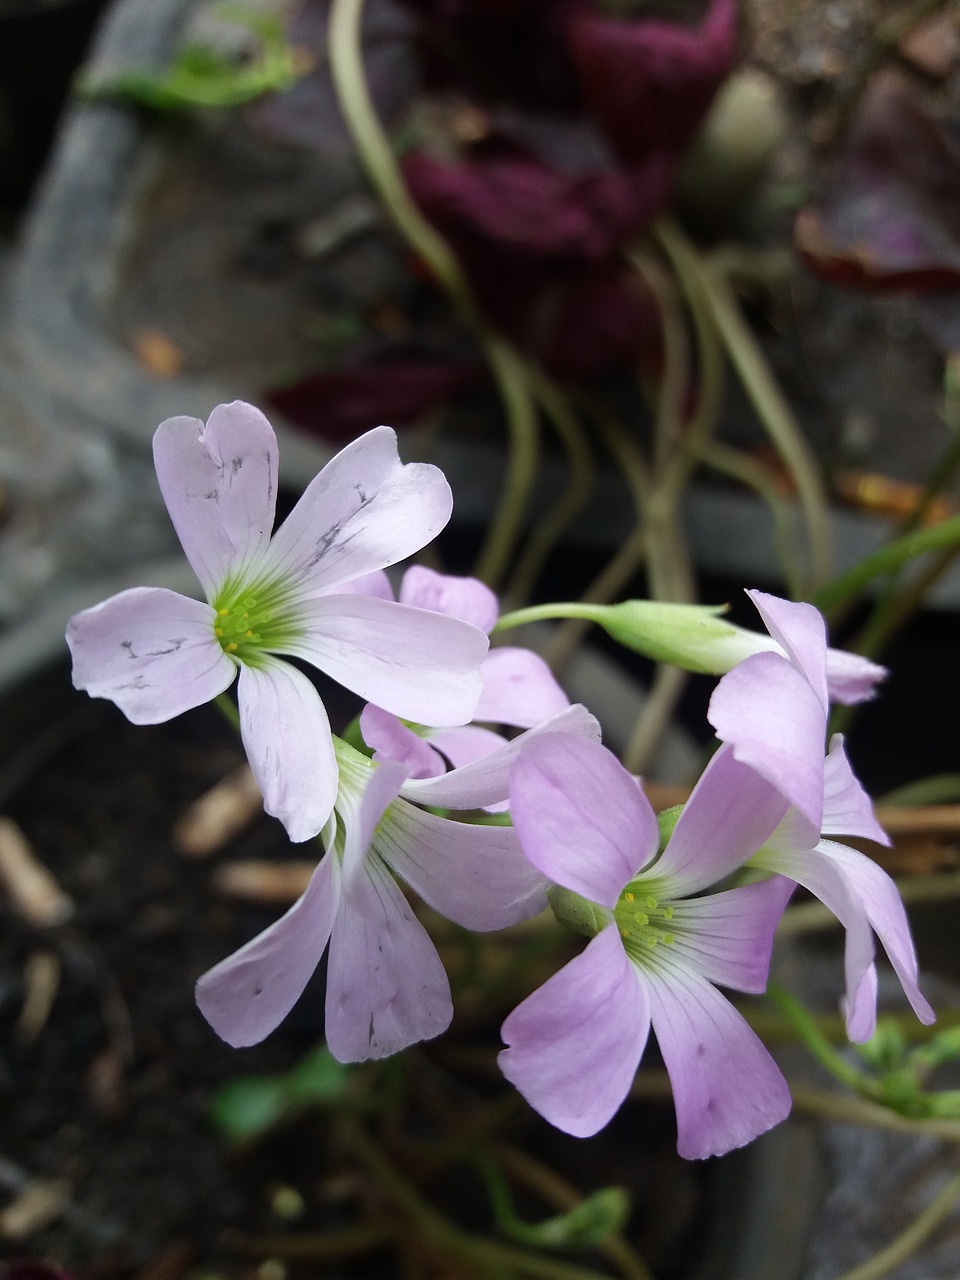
<point>643,923</point>
<point>254,621</point>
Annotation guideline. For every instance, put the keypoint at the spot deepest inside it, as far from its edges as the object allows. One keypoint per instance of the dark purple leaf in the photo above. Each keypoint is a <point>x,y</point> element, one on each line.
<point>339,406</point>
<point>889,217</point>
<point>648,83</point>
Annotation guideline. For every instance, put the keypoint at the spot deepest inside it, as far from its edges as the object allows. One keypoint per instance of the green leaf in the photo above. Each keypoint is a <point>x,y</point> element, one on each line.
<point>249,1106</point>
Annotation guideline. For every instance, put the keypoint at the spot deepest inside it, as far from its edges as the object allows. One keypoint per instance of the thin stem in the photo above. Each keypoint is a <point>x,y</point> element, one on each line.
<point>373,150</point>
<point>228,708</point>
<point>768,401</point>
<point>885,559</point>
<point>816,1042</point>
<point>909,1241</point>
<point>668,685</point>
<point>675,376</point>
<point>581,479</point>
<point>630,554</point>
<point>490,1255</point>
<point>556,1190</point>
<point>747,471</point>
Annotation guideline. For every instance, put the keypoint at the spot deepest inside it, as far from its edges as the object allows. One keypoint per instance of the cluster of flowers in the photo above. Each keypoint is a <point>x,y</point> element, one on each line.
<point>664,930</point>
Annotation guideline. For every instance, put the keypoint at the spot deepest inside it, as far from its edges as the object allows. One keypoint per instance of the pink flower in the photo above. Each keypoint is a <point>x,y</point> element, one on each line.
<point>386,988</point>
<point>519,689</point>
<point>772,711</point>
<point>156,653</point>
<point>656,950</point>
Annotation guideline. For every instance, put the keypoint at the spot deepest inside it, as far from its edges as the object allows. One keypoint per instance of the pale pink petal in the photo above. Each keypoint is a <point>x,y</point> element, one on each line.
<point>852,678</point>
<point>877,896</point>
<point>726,1087</point>
<point>766,709</point>
<point>419,665</point>
<point>847,809</point>
<point>151,651</point>
<point>825,879</point>
<point>798,628</point>
<point>364,511</point>
<point>248,995</point>
<point>219,483</point>
<point>727,937</point>
<point>731,812</point>
<point>575,1044</point>
<point>286,735</point>
<point>486,781</point>
<point>581,818</point>
<point>466,744</point>
<point>375,584</point>
<point>518,689</point>
<point>361,808</point>
<point>390,739</point>
<point>386,987</point>
<point>468,599</point>
<point>472,873</point>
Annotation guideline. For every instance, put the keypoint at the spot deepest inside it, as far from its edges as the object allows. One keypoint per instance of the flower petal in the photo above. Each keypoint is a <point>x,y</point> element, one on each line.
<point>518,689</point>
<point>771,716</point>
<point>877,895</point>
<point>581,818</point>
<point>390,739</point>
<point>731,811</point>
<point>248,995</point>
<point>151,651</point>
<point>727,937</point>
<point>386,987</point>
<point>419,665</point>
<point>824,877</point>
<point>486,781</point>
<point>219,483</point>
<point>799,629</point>
<point>852,678</point>
<point>847,809</point>
<point>371,584</point>
<point>286,735</point>
<point>474,874</point>
<point>468,599</point>
<point>467,744</point>
<point>575,1044</point>
<point>726,1087</point>
<point>364,511</point>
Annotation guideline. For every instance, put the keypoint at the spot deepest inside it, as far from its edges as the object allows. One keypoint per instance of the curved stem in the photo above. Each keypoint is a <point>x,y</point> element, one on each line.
<point>768,401</point>
<point>892,555</point>
<point>491,1256</point>
<point>909,1241</point>
<point>582,476</point>
<point>373,149</point>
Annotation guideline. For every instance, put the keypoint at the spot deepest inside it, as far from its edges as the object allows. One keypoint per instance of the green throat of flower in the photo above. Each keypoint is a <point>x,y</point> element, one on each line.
<point>257,621</point>
<point>643,923</point>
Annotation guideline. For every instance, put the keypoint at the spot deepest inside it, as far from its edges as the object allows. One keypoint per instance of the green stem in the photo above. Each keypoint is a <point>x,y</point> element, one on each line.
<point>228,708</point>
<point>816,1042</point>
<point>886,559</point>
<point>545,613</point>
<point>768,401</point>
<point>909,1241</point>
<point>753,475</point>
<point>373,150</point>
<point>493,1257</point>
<point>582,474</point>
